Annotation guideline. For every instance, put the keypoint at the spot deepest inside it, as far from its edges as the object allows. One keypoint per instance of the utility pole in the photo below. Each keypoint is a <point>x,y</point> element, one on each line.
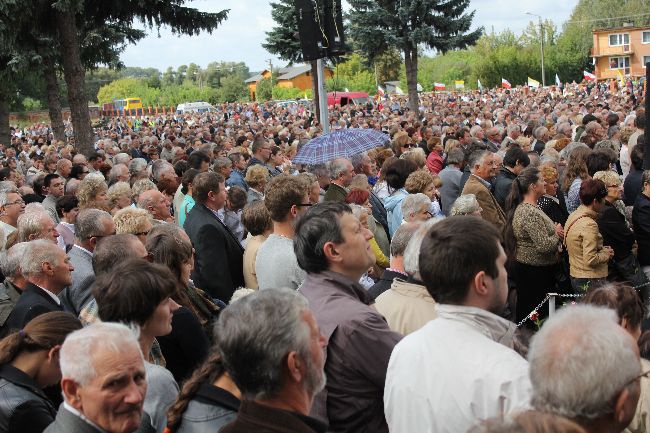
<point>271,69</point>
<point>541,32</point>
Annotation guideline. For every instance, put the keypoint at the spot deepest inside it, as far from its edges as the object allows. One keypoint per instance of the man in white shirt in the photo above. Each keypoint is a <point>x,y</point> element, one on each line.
<point>459,368</point>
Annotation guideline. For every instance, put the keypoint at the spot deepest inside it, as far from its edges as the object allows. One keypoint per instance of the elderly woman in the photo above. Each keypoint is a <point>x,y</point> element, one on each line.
<point>415,207</point>
<point>552,203</point>
<point>466,204</point>
<point>257,176</point>
<point>422,181</point>
<point>532,241</point>
<point>119,196</point>
<point>92,193</point>
<point>134,221</point>
<point>615,230</point>
<point>381,261</point>
<point>139,293</point>
<point>402,143</point>
<point>588,257</point>
<point>29,362</point>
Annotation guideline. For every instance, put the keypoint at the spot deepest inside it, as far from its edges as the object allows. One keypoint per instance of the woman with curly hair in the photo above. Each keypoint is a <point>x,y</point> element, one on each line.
<point>92,193</point>
<point>134,221</point>
<point>257,176</point>
<point>422,181</point>
<point>119,196</point>
<point>576,172</point>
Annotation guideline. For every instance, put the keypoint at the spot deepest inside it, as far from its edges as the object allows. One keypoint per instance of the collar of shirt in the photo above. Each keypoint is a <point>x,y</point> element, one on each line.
<point>217,213</point>
<point>487,184</point>
<point>83,249</point>
<point>52,295</point>
<point>74,411</point>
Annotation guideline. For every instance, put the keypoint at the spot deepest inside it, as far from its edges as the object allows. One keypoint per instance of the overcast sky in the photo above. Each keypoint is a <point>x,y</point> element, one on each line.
<point>240,37</point>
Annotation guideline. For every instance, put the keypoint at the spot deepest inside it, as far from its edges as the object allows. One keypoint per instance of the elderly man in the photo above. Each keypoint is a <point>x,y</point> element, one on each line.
<point>63,167</point>
<point>53,186</point>
<point>483,167</point>
<point>333,248</point>
<point>541,136</point>
<point>514,131</point>
<point>119,173</point>
<point>36,225</point>
<point>12,206</point>
<point>162,169</point>
<point>157,204</point>
<point>459,368</point>
<point>278,369</point>
<point>341,174</point>
<point>451,178</point>
<point>415,207</point>
<point>14,282</point>
<point>585,367</point>
<point>47,270</point>
<point>219,258</point>
<point>103,382</point>
<point>91,226</point>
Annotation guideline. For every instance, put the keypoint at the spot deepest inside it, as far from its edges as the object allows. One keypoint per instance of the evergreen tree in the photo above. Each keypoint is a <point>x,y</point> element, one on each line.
<point>378,25</point>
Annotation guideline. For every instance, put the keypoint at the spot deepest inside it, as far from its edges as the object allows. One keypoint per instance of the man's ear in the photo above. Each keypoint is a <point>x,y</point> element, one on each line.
<point>72,393</point>
<point>480,287</point>
<point>624,408</point>
<point>295,367</point>
<point>330,251</point>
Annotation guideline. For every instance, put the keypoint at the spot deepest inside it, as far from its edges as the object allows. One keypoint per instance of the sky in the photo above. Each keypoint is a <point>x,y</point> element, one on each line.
<point>240,37</point>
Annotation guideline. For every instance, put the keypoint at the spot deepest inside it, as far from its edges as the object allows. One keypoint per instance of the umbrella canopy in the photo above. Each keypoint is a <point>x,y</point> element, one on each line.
<point>339,144</point>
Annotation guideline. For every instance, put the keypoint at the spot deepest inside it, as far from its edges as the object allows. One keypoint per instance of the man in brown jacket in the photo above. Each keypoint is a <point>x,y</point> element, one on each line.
<point>332,247</point>
<point>484,166</point>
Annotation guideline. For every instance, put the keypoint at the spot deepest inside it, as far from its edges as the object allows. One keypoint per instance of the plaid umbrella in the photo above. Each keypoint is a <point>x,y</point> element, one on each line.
<point>339,144</point>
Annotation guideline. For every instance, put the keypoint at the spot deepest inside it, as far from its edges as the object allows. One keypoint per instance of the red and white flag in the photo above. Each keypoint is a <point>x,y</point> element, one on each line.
<point>505,84</point>
<point>439,86</point>
<point>589,76</point>
<point>380,91</point>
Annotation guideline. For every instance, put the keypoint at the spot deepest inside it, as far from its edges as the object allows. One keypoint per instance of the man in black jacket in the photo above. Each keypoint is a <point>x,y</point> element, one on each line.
<point>514,162</point>
<point>48,271</point>
<point>218,261</point>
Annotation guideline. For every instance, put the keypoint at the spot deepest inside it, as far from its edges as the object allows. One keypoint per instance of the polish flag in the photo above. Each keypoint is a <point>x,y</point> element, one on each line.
<point>439,86</point>
<point>505,84</point>
<point>380,91</point>
<point>589,76</point>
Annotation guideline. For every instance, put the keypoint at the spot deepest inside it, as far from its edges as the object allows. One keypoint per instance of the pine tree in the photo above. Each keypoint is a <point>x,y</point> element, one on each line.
<point>443,25</point>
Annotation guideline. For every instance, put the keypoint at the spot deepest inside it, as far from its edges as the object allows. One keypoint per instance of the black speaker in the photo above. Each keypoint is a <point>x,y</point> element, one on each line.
<point>334,27</point>
<point>310,30</point>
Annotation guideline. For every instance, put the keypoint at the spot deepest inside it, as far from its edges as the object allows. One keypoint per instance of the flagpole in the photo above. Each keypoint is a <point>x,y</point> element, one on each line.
<point>541,31</point>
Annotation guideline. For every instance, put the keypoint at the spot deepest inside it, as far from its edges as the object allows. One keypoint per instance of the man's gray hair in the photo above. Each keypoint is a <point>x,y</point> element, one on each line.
<point>10,259</point>
<point>253,352</point>
<point>89,223</point>
<point>565,128</point>
<point>338,166</point>
<point>38,252</point>
<point>159,167</point>
<point>455,156</point>
<point>579,361</point>
<point>402,237</point>
<point>413,203</point>
<point>4,198</point>
<point>513,127</point>
<point>122,158</point>
<point>8,186</point>
<point>476,158</point>
<point>78,353</point>
<point>221,162</point>
<point>358,160</point>
<point>412,251</point>
<point>137,165</point>
<point>116,171</point>
<point>31,223</point>
<point>465,204</point>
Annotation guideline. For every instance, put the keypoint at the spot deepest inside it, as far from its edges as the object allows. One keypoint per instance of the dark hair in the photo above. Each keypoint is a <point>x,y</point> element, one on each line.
<point>66,204</point>
<point>234,157</point>
<point>76,171</point>
<point>470,243</point>
<point>319,225</point>
<point>589,118</point>
<point>197,158</point>
<point>518,190</point>
<point>180,167</point>
<point>167,186</point>
<point>597,161</point>
<point>515,154</point>
<point>204,183</point>
<point>592,189</point>
<point>639,120</point>
<point>612,119</point>
<point>258,143</point>
<point>94,156</point>
<point>113,250</point>
<point>636,156</point>
<point>41,333</point>
<point>132,291</point>
<point>188,178</point>
<point>5,173</point>
<point>621,298</point>
<point>398,172</point>
<point>49,178</point>
<point>644,345</point>
<point>37,184</point>
<point>211,370</point>
<point>283,192</point>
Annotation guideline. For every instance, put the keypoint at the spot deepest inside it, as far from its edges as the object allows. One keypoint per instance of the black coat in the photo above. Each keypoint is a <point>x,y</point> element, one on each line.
<point>641,224</point>
<point>32,302</point>
<point>24,408</point>
<point>379,211</point>
<point>632,187</point>
<point>384,283</point>
<point>219,258</point>
<point>555,211</point>
<point>615,231</point>
<point>503,185</point>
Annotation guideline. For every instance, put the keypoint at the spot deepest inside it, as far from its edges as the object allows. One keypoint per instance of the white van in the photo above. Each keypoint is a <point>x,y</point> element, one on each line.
<point>195,107</point>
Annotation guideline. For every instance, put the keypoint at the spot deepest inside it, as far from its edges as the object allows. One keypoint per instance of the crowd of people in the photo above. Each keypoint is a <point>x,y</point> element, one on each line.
<point>188,276</point>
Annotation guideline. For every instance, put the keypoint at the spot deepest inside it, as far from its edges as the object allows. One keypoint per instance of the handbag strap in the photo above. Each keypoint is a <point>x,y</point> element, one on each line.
<point>566,234</point>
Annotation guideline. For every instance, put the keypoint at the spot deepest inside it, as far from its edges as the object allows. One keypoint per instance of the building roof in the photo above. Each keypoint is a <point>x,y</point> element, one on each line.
<point>618,29</point>
<point>294,72</point>
<point>255,78</point>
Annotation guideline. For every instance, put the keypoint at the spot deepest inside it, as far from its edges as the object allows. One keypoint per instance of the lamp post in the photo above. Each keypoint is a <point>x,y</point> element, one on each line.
<point>541,29</point>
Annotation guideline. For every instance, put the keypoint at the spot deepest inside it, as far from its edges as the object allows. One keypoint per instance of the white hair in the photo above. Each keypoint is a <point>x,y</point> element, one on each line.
<point>78,353</point>
<point>465,204</point>
<point>412,251</point>
<point>580,361</point>
<point>10,259</point>
<point>31,223</point>
<point>413,203</point>
<point>122,158</point>
<point>37,252</point>
<point>7,186</point>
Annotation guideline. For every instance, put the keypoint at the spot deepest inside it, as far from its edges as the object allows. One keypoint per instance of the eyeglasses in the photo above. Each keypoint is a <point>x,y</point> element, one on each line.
<point>19,202</point>
<point>304,204</point>
<point>142,233</point>
<point>409,146</point>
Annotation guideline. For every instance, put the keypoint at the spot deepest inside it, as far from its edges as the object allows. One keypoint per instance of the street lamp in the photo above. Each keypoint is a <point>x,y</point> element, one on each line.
<point>541,29</point>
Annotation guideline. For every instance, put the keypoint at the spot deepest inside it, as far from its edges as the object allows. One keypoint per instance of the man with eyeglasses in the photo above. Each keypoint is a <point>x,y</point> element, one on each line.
<point>261,152</point>
<point>276,264</point>
<point>12,206</point>
<point>483,167</point>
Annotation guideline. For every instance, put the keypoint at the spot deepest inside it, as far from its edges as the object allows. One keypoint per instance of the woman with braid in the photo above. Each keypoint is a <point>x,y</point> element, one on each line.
<point>29,362</point>
<point>208,400</point>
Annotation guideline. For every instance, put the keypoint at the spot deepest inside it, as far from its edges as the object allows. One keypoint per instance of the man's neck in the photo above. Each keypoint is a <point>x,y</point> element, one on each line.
<point>6,220</point>
<point>85,245</point>
<point>597,426</point>
<point>397,263</point>
<point>213,207</point>
<point>46,284</point>
<point>284,228</point>
<point>290,401</point>
<point>355,276</point>
<point>338,183</point>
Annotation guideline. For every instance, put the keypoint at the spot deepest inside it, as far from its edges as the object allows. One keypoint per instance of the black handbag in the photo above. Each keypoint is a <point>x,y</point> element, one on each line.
<point>630,270</point>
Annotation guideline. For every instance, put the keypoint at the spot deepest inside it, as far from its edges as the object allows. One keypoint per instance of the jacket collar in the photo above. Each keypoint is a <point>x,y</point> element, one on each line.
<point>31,287</point>
<point>587,211</point>
<point>22,379</point>
<point>293,421</point>
<point>342,284</point>
<point>210,394</point>
<point>492,326</point>
<point>411,289</point>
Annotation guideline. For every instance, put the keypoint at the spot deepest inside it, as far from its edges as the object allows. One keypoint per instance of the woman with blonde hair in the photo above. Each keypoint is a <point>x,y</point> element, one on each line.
<point>402,143</point>
<point>257,176</point>
<point>119,196</point>
<point>134,221</point>
<point>29,362</point>
<point>422,181</point>
<point>92,193</point>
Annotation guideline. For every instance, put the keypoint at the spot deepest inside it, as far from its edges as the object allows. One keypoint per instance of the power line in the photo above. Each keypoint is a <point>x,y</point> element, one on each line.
<point>606,19</point>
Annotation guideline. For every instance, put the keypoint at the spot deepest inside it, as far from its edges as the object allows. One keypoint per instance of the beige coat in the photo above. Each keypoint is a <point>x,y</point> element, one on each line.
<point>407,307</point>
<point>492,212</point>
<point>584,243</point>
<point>640,423</point>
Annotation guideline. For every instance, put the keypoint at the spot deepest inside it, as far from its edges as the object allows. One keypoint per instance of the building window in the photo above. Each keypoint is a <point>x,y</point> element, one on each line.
<point>619,39</point>
<point>619,62</point>
<point>646,60</point>
<point>645,37</point>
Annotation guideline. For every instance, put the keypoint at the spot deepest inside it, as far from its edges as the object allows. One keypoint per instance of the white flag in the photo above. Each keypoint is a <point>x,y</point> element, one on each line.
<point>557,81</point>
<point>480,86</point>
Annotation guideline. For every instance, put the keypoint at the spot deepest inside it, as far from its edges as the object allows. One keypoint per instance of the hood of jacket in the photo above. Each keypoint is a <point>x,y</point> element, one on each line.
<point>394,200</point>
